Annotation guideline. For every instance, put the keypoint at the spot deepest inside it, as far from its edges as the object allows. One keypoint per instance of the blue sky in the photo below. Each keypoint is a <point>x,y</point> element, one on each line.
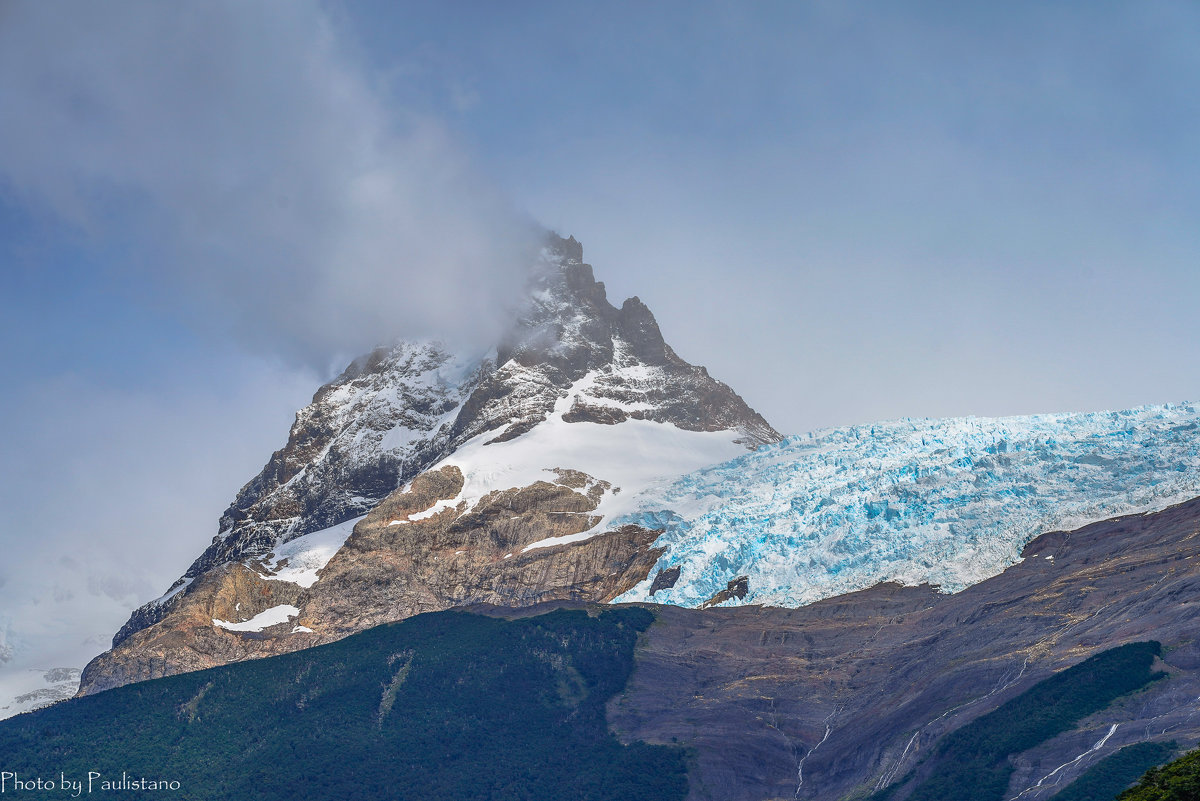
<point>848,212</point>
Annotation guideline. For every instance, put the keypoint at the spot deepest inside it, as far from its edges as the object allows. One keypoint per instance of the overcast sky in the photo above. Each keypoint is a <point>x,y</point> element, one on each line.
<point>847,211</point>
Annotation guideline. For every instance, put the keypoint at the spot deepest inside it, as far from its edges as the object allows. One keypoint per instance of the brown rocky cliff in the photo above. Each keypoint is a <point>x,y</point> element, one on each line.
<point>391,568</point>
<point>451,558</point>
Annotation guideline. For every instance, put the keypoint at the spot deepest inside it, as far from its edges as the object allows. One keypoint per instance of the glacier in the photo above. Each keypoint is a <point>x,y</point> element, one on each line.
<point>946,502</point>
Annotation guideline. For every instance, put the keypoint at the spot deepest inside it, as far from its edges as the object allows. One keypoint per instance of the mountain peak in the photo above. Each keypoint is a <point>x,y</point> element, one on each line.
<point>568,250</point>
<point>579,407</point>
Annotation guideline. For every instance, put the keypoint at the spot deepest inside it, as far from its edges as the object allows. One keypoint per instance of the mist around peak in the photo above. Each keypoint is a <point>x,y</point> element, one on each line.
<point>244,171</point>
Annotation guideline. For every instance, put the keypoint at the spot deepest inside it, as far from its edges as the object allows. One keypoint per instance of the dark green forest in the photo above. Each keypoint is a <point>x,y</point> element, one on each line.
<point>446,705</point>
<point>1108,777</point>
<point>1176,781</point>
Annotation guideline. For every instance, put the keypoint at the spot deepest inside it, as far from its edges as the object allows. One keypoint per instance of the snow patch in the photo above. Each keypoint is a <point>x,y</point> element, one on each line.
<point>184,583</point>
<point>440,506</point>
<point>632,456</point>
<point>270,617</point>
<point>299,560</point>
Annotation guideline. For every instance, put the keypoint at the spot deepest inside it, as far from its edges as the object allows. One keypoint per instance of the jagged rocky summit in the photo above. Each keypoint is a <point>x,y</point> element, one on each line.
<point>422,479</point>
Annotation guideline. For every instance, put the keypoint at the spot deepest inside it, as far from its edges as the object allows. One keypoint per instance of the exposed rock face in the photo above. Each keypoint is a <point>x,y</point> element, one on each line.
<point>378,424</point>
<point>664,580</point>
<point>383,420</point>
<point>400,560</point>
<point>458,557</point>
<point>380,438</point>
<point>736,588</point>
<point>843,697</point>
<point>569,332</point>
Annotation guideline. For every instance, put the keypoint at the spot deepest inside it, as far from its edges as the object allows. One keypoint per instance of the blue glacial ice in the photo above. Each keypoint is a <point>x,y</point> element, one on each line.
<point>945,502</point>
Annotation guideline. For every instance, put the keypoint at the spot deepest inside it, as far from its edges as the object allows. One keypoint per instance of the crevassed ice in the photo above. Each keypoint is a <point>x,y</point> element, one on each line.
<point>948,502</point>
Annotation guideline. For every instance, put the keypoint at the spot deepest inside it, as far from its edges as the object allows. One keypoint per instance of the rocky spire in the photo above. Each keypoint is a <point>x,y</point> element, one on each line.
<point>399,410</point>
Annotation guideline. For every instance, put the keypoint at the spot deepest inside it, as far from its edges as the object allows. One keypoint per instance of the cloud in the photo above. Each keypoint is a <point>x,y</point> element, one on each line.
<point>252,176</point>
<point>110,492</point>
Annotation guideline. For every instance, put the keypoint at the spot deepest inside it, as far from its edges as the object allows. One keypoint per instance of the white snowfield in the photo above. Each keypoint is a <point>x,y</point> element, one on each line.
<point>946,502</point>
<point>631,456</point>
<point>269,617</point>
<point>437,508</point>
<point>299,560</point>
<point>179,586</point>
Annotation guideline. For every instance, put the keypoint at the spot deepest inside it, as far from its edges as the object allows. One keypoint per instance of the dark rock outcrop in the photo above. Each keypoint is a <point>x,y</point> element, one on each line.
<point>664,580</point>
<point>736,588</point>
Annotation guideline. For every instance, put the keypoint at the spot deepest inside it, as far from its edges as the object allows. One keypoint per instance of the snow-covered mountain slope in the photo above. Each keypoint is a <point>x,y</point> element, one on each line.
<point>383,420</point>
<point>400,409</point>
<point>387,417</point>
<point>945,502</point>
